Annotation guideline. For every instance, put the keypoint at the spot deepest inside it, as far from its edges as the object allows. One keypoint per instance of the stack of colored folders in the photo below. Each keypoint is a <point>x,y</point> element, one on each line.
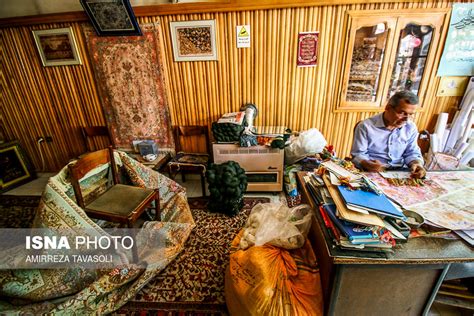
<point>356,219</point>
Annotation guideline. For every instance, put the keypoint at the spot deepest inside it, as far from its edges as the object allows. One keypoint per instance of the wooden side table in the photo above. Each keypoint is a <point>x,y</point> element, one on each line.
<point>158,164</point>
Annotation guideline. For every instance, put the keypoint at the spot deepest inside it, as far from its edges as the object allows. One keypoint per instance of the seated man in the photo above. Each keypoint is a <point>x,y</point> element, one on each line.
<point>389,140</point>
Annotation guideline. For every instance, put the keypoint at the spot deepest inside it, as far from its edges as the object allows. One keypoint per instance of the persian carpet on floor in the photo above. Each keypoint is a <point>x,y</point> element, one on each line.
<point>193,284</point>
<point>129,70</point>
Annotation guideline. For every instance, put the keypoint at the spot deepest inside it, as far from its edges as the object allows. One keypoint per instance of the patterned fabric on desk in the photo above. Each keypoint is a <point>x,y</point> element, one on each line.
<point>446,199</point>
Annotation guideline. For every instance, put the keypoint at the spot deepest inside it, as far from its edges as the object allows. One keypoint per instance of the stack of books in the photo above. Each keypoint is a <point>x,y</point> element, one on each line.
<point>355,218</point>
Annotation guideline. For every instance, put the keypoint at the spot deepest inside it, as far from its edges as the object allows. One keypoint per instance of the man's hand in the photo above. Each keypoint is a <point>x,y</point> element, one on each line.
<point>417,170</point>
<point>372,165</point>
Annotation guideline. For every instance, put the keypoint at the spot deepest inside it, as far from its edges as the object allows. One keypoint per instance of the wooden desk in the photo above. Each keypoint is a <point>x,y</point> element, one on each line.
<point>364,283</point>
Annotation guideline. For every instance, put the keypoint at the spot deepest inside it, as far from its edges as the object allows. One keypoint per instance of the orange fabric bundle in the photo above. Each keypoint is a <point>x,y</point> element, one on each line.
<point>269,280</point>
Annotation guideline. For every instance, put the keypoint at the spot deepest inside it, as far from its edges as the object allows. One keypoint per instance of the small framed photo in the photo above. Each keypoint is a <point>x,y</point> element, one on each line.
<point>57,47</point>
<point>194,40</point>
<point>111,17</point>
<point>15,167</point>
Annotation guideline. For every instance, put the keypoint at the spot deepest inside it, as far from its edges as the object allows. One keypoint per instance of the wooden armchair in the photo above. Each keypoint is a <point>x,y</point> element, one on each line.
<point>120,203</point>
<point>194,163</point>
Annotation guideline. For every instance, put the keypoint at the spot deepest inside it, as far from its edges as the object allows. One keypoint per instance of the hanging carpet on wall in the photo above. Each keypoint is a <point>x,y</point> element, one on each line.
<point>130,79</point>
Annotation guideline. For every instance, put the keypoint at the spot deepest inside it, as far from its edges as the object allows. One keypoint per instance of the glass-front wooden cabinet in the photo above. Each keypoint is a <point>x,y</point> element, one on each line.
<point>388,52</point>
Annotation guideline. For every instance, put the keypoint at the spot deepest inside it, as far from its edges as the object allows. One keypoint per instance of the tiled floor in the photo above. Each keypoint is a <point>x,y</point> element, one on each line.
<point>34,187</point>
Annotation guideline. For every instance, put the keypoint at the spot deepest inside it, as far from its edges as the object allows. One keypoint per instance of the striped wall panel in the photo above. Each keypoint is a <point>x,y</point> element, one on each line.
<point>56,101</point>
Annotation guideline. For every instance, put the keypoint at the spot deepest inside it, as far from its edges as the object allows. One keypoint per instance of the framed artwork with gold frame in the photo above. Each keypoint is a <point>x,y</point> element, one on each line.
<point>15,167</point>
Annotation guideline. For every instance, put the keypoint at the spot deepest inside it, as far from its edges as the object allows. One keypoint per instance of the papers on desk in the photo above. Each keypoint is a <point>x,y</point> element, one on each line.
<point>349,215</point>
<point>394,231</point>
<point>396,174</point>
<point>356,233</point>
<point>351,235</point>
<point>351,226</point>
<point>340,172</point>
<point>446,200</point>
<point>369,201</point>
<point>466,235</point>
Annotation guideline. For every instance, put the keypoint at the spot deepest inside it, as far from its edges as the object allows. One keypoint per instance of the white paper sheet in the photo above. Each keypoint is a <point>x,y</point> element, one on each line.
<point>395,174</point>
<point>340,171</point>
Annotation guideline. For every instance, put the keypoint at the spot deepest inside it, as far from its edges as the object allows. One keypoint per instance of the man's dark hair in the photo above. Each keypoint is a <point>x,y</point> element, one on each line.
<point>405,95</point>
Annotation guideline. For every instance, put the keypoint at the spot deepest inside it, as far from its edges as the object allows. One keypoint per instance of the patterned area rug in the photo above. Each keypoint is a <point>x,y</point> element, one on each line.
<point>191,285</point>
<point>17,211</point>
<point>194,283</point>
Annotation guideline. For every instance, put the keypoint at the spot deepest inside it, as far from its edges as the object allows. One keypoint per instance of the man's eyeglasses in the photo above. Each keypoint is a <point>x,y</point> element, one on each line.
<point>404,114</point>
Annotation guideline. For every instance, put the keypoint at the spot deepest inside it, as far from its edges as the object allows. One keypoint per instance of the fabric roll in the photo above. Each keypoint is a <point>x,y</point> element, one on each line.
<point>462,147</point>
<point>440,126</point>
<point>434,142</point>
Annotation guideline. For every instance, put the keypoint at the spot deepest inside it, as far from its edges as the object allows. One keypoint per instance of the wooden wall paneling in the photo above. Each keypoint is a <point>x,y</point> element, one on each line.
<point>43,104</point>
<point>247,61</point>
<point>39,100</point>
<point>275,68</point>
<point>317,98</point>
<point>267,57</point>
<point>234,62</point>
<point>303,74</point>
<point>223,85</point>
<point>335,72</point>
<point>324,85</point>
<point>174,95</point>
<point>269,68</point>
<point>23,110</point>
<point>164,9</point>
<point>329,118</point>
<point>195,92</point>
<point>47,101</point>
<point>190,92</point>
<point>282,69</point>
<point>258,33</point>
<point>290,86</point>
<point>298,87</point>
<point>283,108</point>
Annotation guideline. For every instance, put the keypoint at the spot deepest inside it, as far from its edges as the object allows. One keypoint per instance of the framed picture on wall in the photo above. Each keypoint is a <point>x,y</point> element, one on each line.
<point>194,40</point>
<point>111,17</point>
<point>15,168</point>
<point>57,47</point>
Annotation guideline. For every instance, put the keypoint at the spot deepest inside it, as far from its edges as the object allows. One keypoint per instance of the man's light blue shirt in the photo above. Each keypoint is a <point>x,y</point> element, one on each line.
<point>396,148</point>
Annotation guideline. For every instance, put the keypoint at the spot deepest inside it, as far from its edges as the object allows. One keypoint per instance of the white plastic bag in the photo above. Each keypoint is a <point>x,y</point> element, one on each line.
<point>278,225</point>
<point>307,143</point>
